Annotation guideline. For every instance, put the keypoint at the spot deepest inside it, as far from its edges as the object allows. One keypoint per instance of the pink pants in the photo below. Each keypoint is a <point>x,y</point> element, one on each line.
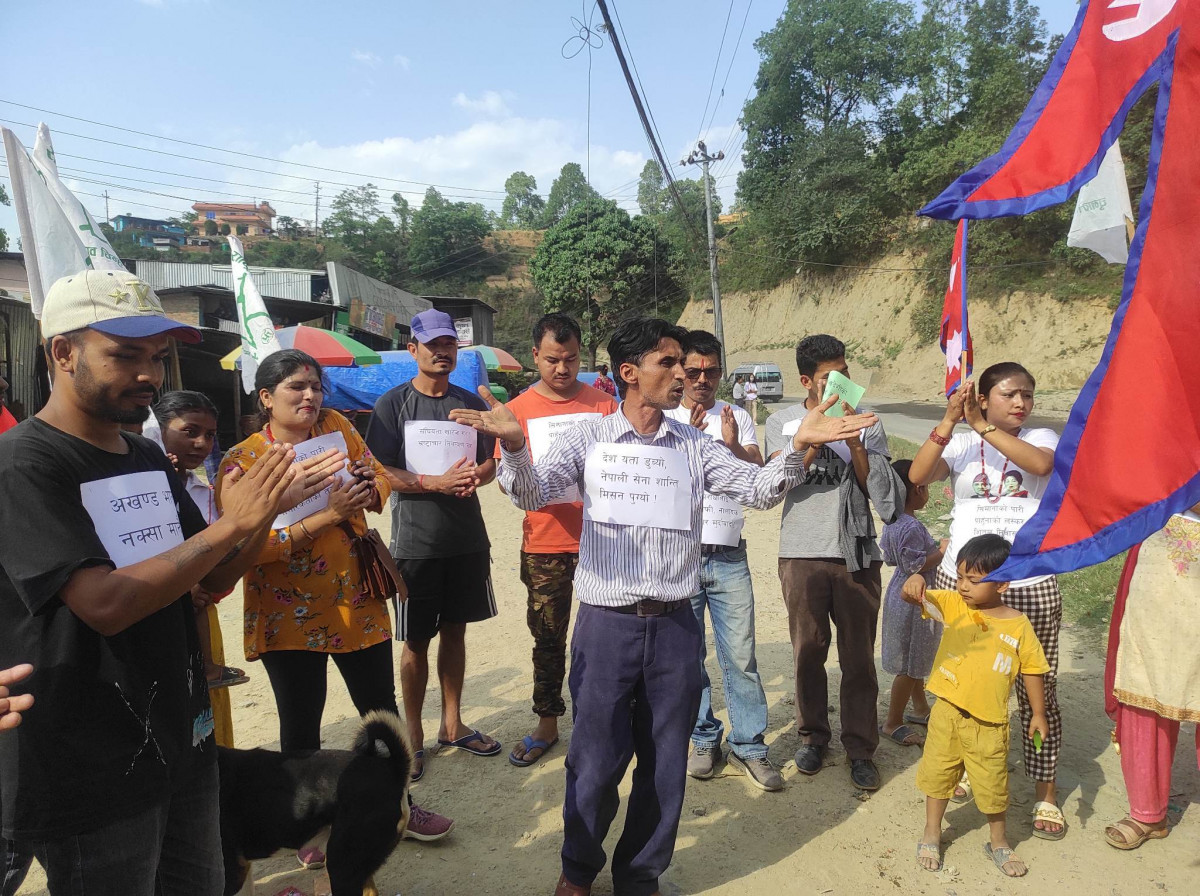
<point>1147,753</point>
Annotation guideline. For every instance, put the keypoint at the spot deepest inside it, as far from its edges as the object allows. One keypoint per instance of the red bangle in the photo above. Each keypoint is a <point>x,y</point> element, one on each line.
<point>938,439</point>
<point>421,482</point>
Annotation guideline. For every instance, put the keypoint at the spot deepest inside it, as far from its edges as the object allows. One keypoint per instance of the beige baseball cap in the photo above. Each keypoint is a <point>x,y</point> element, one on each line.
<point>113,302</point>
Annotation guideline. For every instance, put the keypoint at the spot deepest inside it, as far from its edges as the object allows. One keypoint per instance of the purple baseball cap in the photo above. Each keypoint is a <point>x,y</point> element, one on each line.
<point>429,325</point>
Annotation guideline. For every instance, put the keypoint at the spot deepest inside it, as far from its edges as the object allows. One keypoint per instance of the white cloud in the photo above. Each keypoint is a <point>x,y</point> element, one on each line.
<point>156,3</point>
<point>364,57</point>
<point>491,104</point>
<point>403,61</point>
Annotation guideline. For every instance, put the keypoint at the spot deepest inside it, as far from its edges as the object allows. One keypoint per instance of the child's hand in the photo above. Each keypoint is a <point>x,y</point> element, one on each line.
<point>1038,725</point>
<point>914,590</point>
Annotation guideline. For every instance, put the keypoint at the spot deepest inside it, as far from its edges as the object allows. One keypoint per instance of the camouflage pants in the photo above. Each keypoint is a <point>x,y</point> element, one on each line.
<point>548,579</point>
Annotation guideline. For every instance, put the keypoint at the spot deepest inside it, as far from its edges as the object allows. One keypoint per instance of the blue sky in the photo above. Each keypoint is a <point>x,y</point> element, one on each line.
<point>403,93</point>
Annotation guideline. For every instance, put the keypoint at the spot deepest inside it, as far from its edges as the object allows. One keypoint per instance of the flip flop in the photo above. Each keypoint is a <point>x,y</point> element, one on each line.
<point>530,743</point>
<point>229,676</point>
<point>1045,811</point>
<point>901,734</point>
<point>1002,855</point>
<point>417,776</point>
<point>930,851</point>
<point>461,744</point>
<point>916,719</point>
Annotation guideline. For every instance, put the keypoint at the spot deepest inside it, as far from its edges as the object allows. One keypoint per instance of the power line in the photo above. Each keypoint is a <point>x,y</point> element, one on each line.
<point>728,70</point>
<point>236,152</point>
<point>636,74</point>
<point>716,64</point>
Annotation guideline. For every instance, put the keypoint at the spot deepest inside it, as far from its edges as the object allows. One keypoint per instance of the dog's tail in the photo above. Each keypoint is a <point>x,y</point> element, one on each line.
<point>383,735</point>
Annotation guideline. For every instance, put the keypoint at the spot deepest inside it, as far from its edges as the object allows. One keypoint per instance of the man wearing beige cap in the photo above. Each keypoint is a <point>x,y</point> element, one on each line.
<point>112,783</point>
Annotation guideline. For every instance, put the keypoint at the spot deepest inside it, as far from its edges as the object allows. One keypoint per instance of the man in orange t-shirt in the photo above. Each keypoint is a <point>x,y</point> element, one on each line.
<point>550,542</point>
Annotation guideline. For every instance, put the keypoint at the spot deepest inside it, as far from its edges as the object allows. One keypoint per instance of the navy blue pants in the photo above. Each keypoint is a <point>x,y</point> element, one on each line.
<point>635,691</point>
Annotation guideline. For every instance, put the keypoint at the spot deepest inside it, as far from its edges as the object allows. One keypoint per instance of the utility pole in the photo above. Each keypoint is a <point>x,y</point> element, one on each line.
<point>107,216</point>
<point>317,214</point>
<point>700,157</point>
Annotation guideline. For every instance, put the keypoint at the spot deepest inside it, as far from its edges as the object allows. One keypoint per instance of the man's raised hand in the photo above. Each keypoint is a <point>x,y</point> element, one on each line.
<point>250,500</point>
<point>698,418</point>
<point>498,421</point>
<point>816,428</point>
<point>313,475</point>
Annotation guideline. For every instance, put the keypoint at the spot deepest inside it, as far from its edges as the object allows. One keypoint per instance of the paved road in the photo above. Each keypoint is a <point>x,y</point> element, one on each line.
<point>913,420</point>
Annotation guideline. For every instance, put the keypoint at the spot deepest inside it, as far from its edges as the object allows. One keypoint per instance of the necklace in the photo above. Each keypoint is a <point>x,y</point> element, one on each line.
<point>982,479</point>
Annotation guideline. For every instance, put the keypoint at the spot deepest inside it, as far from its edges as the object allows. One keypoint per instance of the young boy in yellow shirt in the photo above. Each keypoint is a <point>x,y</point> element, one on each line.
<point>985,645</point>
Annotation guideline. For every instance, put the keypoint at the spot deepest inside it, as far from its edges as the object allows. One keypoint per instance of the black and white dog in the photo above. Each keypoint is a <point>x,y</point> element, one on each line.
<point>273,801</point>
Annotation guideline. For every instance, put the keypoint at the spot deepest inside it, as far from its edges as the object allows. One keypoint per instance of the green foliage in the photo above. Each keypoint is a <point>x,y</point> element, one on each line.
<point>4,200</point>
<point>446,245</point>
<point>569,189</point>
<point>224,230</point>
<point>517,310</point>
<point>597,264</point>
<point>210,227</point>
<point>523,207</point>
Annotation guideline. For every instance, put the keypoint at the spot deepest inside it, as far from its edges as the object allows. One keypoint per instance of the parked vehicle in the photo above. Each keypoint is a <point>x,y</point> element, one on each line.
<point>768,376</point>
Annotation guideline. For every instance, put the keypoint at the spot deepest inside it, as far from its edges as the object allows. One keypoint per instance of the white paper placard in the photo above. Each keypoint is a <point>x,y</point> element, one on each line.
<point>637,485</point>
<point>723,521</point>
<point>431,447</point>
<point>319,501</point>
<point>135,515</point>
<point>542,433</point>
<point>979,516</point>
<point>838,448</point>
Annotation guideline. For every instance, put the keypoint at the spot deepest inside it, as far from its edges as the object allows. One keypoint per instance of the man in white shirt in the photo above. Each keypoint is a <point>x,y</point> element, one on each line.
<point>726,588</point>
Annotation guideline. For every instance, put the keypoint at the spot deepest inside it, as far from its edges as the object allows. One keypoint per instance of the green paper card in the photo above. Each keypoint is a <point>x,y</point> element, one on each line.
<point>850,392</point>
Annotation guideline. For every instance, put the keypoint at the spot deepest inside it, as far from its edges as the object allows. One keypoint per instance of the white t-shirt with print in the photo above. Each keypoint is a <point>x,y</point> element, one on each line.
<point>962,455</point>
<point>751,391</point>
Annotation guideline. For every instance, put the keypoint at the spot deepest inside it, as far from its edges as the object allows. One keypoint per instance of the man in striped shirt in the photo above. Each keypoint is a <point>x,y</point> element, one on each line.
<point>635,672</point>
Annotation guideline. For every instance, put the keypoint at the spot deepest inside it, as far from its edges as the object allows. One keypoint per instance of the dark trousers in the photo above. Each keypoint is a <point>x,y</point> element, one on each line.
<point>298,680</point>
<point>548,579</point>
<point>635,691</point>
<point>16,859</point>
<point>817,593</point>
<point>170,849</point>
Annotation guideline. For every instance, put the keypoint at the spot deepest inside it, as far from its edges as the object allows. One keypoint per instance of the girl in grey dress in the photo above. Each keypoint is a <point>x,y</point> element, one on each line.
<point>909,642</point>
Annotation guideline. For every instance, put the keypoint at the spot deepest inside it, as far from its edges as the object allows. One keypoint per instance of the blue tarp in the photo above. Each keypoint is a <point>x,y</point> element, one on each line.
<point>358,388</point>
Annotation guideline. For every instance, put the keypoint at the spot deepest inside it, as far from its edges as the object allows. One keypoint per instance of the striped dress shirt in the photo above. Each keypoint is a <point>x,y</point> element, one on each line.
<point>620,565</point>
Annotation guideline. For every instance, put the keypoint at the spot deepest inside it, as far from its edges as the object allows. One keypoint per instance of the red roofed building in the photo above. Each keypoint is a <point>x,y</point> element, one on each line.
<point>257,218</point>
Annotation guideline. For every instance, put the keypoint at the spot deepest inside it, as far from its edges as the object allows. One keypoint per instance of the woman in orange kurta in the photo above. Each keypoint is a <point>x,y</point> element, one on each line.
<point>304,598</point>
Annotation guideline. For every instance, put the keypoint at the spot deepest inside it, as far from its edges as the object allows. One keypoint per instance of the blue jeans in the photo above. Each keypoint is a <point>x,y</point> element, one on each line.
<point>728,592</point>
<point>171,849</point>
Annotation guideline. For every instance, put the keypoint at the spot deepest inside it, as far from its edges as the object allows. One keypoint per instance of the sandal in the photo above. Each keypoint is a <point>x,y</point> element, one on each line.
<point>489,749</point>
<point>418,773</point>
<point>930,851</point>
<point>1002,855</point>
<point>964,784</point>
<point>1117,835</point>
<point>1048,812</point>
<point>904,736</point>
<point>530,743</point>
<point>915,719</point>
<point>227,677</point>
<point>310,858</point>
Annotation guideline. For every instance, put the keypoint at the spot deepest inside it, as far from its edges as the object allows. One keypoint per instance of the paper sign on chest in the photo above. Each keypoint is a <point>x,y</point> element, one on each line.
<point>431,447</point>
<point>980,516</point>
<point>543,431</point>
<point>134,515</point>
<point>637,485</point>
<point>723,517</point>
<point>319,501</point>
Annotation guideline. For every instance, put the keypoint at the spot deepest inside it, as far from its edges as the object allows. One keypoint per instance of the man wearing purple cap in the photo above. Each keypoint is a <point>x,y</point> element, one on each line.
<point>438,535</point>
<point>112,783</point>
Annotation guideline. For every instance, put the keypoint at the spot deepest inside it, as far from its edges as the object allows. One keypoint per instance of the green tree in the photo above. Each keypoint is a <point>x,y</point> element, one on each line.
<point>4,200</point>
<point>288,226</point>
<point>210,227</point>
<point>523,207</point>
<point>569,189</point>
<point>447,240</point>
<point>597,264</point>
<point>225,229</point>
<point>652,189</point>
<point>402,213</point>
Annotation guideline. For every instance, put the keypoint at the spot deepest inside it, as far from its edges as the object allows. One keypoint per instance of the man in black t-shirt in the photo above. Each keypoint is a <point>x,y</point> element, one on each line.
<point>112,783</point>
<point>438,536</point>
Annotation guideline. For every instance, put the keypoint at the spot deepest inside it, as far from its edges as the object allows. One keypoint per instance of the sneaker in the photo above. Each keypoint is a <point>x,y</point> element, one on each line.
<point>426,825</point>
<point>702,761</point>
<point>864,774</point>
<point>311,858</point>
<point>760,772</point>
<point>810,758</point>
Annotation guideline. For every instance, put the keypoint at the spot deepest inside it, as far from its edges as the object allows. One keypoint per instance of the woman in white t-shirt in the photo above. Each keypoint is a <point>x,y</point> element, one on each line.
<point>751,393</point>
<point>999,472</point>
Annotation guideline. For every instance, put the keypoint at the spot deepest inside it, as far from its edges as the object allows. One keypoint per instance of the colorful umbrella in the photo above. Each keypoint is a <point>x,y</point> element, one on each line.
<point>496,358</point>
<point>327,347</point>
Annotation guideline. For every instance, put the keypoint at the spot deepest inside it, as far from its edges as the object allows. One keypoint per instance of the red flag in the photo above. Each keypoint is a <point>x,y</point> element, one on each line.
<point>956,335</point>
<point>1130,453</point>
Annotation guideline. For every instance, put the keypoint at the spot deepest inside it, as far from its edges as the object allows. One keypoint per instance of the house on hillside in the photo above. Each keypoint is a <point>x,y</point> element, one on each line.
<point>258,218</point>
<point>150,232</point>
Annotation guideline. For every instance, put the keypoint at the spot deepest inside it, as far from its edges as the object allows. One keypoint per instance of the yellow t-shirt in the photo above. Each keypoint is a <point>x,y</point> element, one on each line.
<point>980,657</point>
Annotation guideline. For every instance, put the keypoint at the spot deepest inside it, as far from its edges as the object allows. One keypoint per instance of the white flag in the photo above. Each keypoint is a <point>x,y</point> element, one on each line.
<point>258,330</point>
<point>58,235</point>
<point>1103,211</point>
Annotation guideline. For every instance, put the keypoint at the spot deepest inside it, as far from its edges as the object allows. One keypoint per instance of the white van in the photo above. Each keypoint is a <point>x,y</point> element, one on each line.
<point>768,376</point>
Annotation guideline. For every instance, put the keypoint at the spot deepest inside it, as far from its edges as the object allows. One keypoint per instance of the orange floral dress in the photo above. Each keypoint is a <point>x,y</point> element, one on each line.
<point>311,598</point>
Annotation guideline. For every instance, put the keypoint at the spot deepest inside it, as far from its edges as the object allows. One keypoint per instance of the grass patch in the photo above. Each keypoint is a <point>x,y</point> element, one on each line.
<point>1087,593</point>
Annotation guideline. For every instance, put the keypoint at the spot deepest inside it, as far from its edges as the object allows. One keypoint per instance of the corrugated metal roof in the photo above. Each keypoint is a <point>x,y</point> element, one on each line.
<point>284,283</point>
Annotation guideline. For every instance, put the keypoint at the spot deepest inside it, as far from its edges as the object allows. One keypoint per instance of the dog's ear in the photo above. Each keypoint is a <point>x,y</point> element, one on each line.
<point>381,749</point>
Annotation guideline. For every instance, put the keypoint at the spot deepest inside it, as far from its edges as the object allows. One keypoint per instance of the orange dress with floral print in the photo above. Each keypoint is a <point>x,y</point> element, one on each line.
<point>311,598</point>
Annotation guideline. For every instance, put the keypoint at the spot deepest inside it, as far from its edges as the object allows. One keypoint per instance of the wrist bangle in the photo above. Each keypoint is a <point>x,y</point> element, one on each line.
<point>937,438</point>
<point>421,482</point>
<point>306,533</point>
<point>991,427</point>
